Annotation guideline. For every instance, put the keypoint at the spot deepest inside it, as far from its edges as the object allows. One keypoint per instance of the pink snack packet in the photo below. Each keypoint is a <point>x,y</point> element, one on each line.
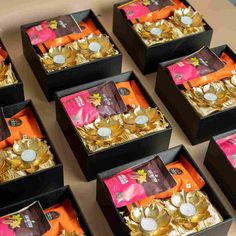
<point>139,182</point>
<point>138,8</point>
<point>40,33</point>
<point>86,106</point>
<point>200,63</point>
<point>228,145</point>
<point>52,29</point>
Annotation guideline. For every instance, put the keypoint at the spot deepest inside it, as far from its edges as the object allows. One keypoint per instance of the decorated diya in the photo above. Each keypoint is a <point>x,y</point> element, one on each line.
<point>188,21</point>
<point>26,156</point>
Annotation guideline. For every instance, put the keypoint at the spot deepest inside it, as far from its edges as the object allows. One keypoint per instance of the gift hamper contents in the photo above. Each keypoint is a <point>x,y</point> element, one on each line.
<point>111,114</point>
<point>228,146</point>
<point>161,21</point>
<point>63,42</point>
<point>57,220</point>
<point>7,76</point>
<point>207,81</point>
<point>154,199</point>
<point>24,150</point>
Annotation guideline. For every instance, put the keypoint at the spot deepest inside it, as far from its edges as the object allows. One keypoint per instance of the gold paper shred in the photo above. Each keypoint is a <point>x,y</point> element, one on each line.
<point>7,76</point>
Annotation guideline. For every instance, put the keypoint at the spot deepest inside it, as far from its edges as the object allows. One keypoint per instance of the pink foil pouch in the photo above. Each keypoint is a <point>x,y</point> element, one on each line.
<point>52,29</point>
<point>139,182</point>
<point>136,9</point>
<point>200,63</point>
<point>228,145</point>
<point>86,106</point>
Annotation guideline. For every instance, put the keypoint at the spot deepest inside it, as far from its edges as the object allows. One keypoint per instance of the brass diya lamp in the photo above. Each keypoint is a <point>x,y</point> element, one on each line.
<point>29,155</point>
<point>94,47</point>
<point>59,58</point>
<point>212,97</point>
<point>152,220</point>
<point>106,132</point>
<point>141,121</point>
<point>157,32</point>
<point>191,212</point>
<point>188,21</point>
<point>7,76</point>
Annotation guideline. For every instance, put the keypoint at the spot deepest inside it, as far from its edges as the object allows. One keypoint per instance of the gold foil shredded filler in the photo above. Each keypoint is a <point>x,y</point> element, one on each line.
<point>81,51</point>
<point>64,233</point>
<point>7,76</point>
<point>106,132</point>
<point>24,157</point>
<point>213,97</point>
<point>6,172</point>
<point>184,22</point>
<point>182,214</point>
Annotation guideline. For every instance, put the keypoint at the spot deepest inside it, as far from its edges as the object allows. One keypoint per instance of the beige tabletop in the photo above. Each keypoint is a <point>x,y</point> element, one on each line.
<point>220,14</point>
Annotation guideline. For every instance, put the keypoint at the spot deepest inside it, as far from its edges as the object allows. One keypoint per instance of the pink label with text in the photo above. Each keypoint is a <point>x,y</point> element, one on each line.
<point>79,109</point>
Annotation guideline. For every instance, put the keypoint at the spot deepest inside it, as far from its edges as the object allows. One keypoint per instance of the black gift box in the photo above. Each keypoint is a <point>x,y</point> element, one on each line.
<point>38,182</point>
<point>91,164</point>
<point>12,93</point>
<point>114,218</point>
<point>80,74</point>
<point>220,167</point>
<point>198,129</point>
<point>49,199</point>
<point>147,58</point>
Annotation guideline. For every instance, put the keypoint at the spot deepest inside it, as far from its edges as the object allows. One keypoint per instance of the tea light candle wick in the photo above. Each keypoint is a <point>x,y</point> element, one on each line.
<point>59,59</point>
<point>141,120</point>
<point>210,97</point>
<point>187,209</point>
<point>186,20</point>
<point>104,132</point>
<point>28,155</point>
<point>148,225</point>
<point>95,47</point>
<point>156,31</point>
